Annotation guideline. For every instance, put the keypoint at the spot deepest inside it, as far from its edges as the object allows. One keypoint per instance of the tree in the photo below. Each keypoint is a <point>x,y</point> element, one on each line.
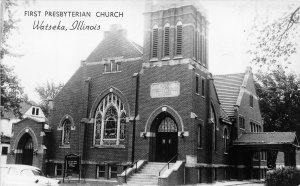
<point>46,92</point>
<point>279,98</point>
<point>8,24</point>
<point>11,91</point>
<point>278,91</point>
<point>275,43</point>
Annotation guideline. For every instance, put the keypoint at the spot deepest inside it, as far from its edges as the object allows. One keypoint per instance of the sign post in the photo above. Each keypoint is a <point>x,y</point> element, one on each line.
<point>72,166</point>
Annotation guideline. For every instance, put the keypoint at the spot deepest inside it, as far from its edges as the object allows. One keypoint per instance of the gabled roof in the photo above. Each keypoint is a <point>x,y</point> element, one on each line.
<point>115,44</point>
<point>35,119</point>
<point>24,106</point>
<point>228,89</point>
<point>224,116</point>
<point>263,138</point>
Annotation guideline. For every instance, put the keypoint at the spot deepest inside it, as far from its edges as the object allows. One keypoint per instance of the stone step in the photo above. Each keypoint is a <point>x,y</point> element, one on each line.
<point>152,167</point>
<point>144,176</point>
<point>142,183</point>
<point>142,180</point>
<point>148,175</point>
<point>137,184</point>
<point>149,170</point>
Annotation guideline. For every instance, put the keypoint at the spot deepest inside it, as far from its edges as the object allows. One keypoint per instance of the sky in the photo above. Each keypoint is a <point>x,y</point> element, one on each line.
<point>54,55</point>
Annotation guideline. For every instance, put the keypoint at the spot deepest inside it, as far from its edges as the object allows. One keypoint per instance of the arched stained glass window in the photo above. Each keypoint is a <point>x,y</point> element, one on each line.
<point>66,132</point>
<point>98,128</point>
<point>167,125</point>
<point>110,121</point>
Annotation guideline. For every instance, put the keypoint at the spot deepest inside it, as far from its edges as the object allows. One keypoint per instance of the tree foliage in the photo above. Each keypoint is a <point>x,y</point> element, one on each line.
<point>46,92</point>
<point>277,42</point>
<point>11,91</point>
<point>9,24</point>
<point>279,98</point>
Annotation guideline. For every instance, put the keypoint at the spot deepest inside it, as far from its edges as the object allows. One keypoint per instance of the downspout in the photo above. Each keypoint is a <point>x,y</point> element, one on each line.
<point>86,124</point>
<point>84,121</point>
<point>209,124</point>
<point>136,105</point>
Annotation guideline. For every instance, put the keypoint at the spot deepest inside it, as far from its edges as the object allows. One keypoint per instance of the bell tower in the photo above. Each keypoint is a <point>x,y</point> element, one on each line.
<point>175,30</point>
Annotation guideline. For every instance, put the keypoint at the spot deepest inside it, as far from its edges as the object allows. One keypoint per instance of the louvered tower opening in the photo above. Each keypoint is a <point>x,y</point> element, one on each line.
<point>154,42</point>
<point>167,41</point>
<point>179,40</point>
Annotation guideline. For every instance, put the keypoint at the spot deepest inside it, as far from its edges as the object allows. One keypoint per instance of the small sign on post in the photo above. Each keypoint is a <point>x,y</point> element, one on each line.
<point>72,166</point>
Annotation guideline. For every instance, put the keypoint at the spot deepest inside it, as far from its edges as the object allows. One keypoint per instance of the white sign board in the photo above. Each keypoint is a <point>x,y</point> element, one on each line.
<point>165,89</point>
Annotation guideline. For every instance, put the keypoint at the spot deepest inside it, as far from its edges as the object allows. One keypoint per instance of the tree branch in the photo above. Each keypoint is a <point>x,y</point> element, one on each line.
<point>291,22</point>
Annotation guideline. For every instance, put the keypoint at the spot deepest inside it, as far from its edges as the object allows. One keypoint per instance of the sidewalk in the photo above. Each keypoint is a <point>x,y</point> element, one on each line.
<point>97,182</point>
<point>89,182</point>
<point>235,183</point>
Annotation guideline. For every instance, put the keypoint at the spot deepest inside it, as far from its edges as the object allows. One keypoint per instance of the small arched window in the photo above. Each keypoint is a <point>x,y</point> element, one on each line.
<point>110,121</point>
<point>179,38</point>
<point>225,135</point>
<point>214,121</point>
<point>66,132</point>
<point>154,41</point>
<point>167,40</point>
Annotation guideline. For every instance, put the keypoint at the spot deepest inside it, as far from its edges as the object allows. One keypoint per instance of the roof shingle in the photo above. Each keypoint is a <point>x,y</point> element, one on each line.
<point>228,89</point>
<point>115,44</point>
<point>267,138</point>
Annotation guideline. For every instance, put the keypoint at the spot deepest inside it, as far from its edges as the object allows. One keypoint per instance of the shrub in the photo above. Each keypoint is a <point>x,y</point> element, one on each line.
<point>286,176</point>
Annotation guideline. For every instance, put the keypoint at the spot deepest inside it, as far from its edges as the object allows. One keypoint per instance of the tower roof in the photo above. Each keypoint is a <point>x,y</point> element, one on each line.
<point>156,5</point>
<point>115,44</point>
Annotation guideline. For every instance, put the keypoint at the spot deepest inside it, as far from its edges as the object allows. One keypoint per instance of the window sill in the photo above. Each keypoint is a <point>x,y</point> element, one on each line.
<point>166,58</point>
<point>114,72</point>
<point>108,147</point>
<point>226,153</point>
<point>64,146</point>
<point>178,57</point>
<point>199,148</point>
<point>153,59</point>
<point>197,94</point>
<point>203,96</point>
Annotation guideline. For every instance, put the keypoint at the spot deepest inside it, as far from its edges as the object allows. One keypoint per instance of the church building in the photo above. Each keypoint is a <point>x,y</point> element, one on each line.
<point>159,103</point>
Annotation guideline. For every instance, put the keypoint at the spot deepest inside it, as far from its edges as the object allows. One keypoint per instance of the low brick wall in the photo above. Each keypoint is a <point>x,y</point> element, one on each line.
<point>129,171</point>
<point>173,176</point>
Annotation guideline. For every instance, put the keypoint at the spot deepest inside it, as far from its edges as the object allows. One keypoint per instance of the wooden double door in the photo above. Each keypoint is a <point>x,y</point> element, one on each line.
<point>166,146</point>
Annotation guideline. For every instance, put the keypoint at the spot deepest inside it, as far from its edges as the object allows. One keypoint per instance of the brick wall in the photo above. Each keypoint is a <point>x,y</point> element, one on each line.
<point>33,129</point>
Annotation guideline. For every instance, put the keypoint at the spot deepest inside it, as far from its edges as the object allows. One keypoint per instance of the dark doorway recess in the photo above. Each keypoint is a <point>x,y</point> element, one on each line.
<point>165,143</point>
<point>25,150</point>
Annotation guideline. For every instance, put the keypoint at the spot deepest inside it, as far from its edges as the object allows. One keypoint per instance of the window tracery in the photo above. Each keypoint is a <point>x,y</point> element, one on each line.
<point>110,121</point>
<point>66,132</point>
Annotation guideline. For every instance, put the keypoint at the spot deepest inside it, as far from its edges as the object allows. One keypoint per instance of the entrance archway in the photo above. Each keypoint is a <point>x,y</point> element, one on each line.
<point>25,148</point>
<point>165,143</point>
